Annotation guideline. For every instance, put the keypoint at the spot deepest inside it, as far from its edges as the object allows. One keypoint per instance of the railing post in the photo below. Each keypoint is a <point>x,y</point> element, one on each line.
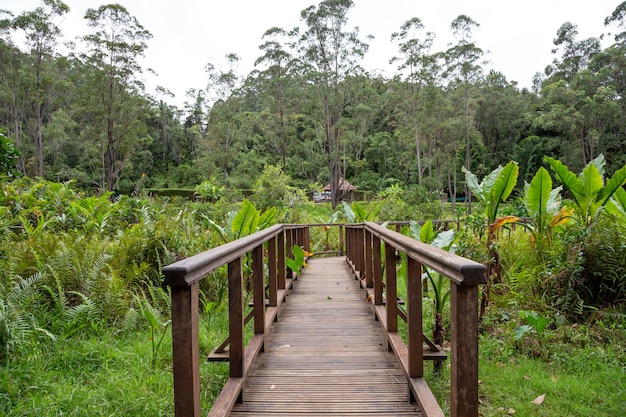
<point>289,250</point>
<point>272,280</point>
<point>414,318</point>
<point>341,239</point>
<point>235,318</point>
<point>360,245</point>
<point>282,278</point>
<point>378,272</point>
<point>369,260</point>
<point>185,351</point>
<point>258,275</point>
<point>392,292</point>
<point>464,350</point>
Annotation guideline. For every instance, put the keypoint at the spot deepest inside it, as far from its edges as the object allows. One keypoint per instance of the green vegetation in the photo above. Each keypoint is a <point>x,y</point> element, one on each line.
<point>101,185</point>
<point>83,316</point>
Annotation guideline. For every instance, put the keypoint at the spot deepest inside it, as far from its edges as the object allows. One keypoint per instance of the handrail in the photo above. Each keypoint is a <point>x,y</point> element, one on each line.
<point>184,277</point>
<point>363,242</point>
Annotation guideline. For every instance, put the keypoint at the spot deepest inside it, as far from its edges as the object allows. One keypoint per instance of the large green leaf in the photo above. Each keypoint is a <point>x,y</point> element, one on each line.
<point>568,178</point>
<point>592,185</point>
<point>427,232</point>
<point>444,239</point>
<point>617,204</point>
<point>502,188</point>
<point>487,183</point>
<point>246,221</point>
<point>349,213</point>
<point>614,184</point>
<point>537,196</point>
<point>474,186</point>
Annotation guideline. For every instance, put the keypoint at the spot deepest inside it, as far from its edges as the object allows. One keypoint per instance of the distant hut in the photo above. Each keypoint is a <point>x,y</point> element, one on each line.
<point>345,191</point>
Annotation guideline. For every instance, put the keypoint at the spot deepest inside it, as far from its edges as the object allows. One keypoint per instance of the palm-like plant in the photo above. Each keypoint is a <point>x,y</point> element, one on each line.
<point>494,189</point>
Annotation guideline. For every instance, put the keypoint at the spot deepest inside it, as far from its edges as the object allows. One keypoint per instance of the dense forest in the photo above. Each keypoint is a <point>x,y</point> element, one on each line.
<point>308,108</point>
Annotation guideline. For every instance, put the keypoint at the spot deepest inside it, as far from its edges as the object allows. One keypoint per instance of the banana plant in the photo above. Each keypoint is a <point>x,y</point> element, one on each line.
<point>440,285</point>
<point>356,213</point>
<point>544,207</point>
<point>494,189</point>
<point>589,190</point>
<point>243,222</point>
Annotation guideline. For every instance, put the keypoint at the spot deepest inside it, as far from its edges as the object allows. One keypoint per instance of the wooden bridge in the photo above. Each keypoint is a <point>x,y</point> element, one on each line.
<point>326,339</point>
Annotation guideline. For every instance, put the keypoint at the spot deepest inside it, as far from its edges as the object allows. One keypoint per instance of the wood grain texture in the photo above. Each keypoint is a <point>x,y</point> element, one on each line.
<point>326,355</point>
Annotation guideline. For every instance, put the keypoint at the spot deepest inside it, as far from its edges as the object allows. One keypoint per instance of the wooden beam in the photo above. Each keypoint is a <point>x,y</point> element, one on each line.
<point>464,350</point>
<point>392,292</point>
<point>235,317</point>
<point>258,276</point>
<point>414,318</point>
<point>185,351</point>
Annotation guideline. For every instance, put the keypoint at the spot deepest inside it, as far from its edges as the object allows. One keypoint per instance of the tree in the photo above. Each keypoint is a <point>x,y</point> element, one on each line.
<point>41,39</point>
<point>112,93</point>
<point>417,63</point>
<point>331,54</point>
<point>463,67</point>
<point>279,62</point>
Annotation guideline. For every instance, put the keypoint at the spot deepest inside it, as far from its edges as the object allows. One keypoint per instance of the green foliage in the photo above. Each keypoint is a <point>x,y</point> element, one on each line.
<point>209,190</point>
<point>298,261</point>
<point>495,187</point>
<point>359,213</point>
<point>8,157</point>
<point>535,323</point>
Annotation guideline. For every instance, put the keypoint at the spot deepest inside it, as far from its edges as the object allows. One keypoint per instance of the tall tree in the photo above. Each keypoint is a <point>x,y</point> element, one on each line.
<point>332,53</point>
<point>278,61</point>
<point>417,65</point>
<point>41,36</point>
<point>113,92</point>
<point>463,66</point>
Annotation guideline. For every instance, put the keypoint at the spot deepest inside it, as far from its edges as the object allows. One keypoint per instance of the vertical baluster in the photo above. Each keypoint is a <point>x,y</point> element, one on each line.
<point>235,318</point>
<point>414,318</point>
<point>378,272</point>
<point>464,350</point>
<point>185,351</point>
<point>271,269</point>
<point>392,293</point>
<point>258,275</point>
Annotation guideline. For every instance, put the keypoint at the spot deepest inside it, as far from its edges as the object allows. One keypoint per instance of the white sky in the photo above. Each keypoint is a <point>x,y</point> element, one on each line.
<point>188,34</point>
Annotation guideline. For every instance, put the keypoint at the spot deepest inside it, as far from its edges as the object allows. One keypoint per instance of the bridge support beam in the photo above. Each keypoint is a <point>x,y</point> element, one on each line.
<point>464,351</point>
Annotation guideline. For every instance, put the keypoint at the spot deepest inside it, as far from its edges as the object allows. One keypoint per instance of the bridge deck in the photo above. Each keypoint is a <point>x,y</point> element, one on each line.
<point>326,355</point>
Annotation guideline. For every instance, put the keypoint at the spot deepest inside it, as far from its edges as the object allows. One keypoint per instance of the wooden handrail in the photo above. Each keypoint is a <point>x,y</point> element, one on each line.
<point>363,243</point>
<point>184,277</point>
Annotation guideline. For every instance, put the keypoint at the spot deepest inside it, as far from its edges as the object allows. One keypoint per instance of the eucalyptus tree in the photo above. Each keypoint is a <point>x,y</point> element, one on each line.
<point>223,89</point>
<point>278,61</point>
<point>463,68</point>
<point>418,68</point>
<point>41,37</point>
<point>500,117</point>
<point>575,55</point>
<point>331,53</point>
<point>13,87</point>
<point>112,91</point>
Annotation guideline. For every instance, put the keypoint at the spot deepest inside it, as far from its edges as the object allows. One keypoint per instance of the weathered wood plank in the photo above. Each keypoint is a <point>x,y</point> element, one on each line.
<point>326,355</point>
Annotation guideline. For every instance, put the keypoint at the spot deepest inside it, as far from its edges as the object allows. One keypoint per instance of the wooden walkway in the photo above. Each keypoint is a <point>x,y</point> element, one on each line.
<point>328,361</point>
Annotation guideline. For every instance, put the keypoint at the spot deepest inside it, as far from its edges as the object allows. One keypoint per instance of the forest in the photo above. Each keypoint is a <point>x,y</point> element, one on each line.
<point>308,107</point>
<point>103,184</point>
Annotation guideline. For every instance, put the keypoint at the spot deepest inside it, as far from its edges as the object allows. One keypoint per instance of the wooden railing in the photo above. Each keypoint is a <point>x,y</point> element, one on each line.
<point>267,249</point>
<point>184,277</point>
<point>363,243</point>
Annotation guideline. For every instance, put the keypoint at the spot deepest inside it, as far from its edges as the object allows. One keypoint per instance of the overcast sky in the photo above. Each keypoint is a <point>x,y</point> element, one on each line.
<point>188,34</point>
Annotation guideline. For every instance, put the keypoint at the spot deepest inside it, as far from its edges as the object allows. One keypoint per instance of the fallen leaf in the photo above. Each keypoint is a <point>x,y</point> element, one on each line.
<point>539,399</point>
<point>286,346</point>
<point>527,377</point>
<point>369,299</point>
<point>511,411</point>
<point>329,297</point>
<point>272,386</point>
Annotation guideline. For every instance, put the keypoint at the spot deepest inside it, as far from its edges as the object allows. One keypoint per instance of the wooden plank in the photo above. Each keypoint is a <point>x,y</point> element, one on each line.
<point>326,355</point>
